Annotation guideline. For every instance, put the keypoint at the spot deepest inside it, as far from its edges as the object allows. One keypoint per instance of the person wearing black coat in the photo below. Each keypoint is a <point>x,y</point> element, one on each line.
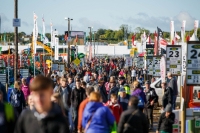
<point>166,120</point>
<point>168,95</point>
<point>151,98</point>
<point>77,96</point>
<point>32,122</point>
<point>113,88</point>
<point>133,120</point>
<point>45,117</point>
<point>102,90</point>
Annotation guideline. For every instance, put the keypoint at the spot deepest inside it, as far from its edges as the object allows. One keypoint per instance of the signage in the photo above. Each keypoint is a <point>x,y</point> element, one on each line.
<point>197,123</point>
<point>156,66</point>
<point>196,94</point>
<point>55,67</point>
<point>174,57</point>
<point>175,126</point>
<point>163,68</point>
<point>193,63</point>
<point>150,49</point>
<point>77,61</point>
<point>129,61</point>
<point>149,65</point>
<point>184,60</point>
<point>16,22</point>
<point>140,62</point>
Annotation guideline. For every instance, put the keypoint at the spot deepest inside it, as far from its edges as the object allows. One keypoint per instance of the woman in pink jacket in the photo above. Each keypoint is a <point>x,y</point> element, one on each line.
<point>25,89</point>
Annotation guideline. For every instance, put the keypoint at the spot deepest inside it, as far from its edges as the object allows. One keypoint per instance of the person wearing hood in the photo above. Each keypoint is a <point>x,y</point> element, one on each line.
<point>113,88</point>
<point>45,116</point>
<point>166,120</point>
<point>97,118</point>
<point>16,98</point>
<point>138,92</point>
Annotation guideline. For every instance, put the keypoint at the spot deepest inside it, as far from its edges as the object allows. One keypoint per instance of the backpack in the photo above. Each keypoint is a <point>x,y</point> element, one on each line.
<point>141,102</point>
<point>15,99</point>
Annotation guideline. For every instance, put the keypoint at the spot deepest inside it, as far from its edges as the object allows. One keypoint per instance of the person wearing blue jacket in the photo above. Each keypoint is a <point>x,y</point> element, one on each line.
<point>97,118</point>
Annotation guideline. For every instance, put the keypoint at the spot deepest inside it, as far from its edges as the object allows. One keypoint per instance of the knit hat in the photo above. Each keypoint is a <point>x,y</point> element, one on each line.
<point>168,108</point>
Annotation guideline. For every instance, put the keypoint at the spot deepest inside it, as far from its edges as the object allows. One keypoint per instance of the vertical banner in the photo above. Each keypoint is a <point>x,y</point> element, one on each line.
<point>163,68</point>
<point>171,31</point>
<point>35,32</point>
<point>52,38</point>
<point>196,26</point>
<point>56,48</point>
<point>183,31</point>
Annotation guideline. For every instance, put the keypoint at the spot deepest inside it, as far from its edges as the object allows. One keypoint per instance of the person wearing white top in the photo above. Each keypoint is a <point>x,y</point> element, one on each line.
<point>133,75</point>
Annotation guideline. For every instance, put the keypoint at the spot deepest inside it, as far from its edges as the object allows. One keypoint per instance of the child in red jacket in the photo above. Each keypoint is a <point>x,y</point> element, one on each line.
<point>114,106</point>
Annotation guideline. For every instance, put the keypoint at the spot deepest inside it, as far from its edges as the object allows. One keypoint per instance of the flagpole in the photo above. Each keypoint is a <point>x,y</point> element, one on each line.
<point>51,43</point>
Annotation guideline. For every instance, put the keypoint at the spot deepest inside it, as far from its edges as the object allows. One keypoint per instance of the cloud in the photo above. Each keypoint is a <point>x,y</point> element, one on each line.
<point>151,22</point>
<point>85,23</point>
<point>184,16</point>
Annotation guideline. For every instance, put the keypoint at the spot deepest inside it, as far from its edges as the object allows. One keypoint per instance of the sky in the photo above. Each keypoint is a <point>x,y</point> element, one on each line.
<point>108,14</point>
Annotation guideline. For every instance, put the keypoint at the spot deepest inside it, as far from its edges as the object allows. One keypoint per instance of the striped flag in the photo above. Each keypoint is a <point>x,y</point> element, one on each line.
<point>155,43</point>
<point>76,38</point>
<point>90,51</point>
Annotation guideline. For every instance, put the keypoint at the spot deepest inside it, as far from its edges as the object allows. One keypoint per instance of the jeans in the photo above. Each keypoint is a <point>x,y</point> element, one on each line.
<point>174,102</point>
<point>70,120</point>
<point>149,114</point>
<point>75,118</point>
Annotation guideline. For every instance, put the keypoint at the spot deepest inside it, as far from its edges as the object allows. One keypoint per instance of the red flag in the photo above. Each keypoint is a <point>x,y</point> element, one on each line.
<point>76,38</point>
<point>149,39</point>
<point>172,42</point>
<point>155,43</point>
<point>66,37</point>
<point>133,39</point>
<point>188,38</point>
<point>163,41</point>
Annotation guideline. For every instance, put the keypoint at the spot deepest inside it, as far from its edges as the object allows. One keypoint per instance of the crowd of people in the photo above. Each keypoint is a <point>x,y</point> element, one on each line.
<point>99,97</point>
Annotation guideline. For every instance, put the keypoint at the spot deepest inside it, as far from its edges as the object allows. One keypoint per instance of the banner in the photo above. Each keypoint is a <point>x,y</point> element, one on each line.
<point>171,31</point>
<point>183,30</point>
<point>196,26</point>
<point>56,48</point>
<point>35,32</point>
<point>52,38</point>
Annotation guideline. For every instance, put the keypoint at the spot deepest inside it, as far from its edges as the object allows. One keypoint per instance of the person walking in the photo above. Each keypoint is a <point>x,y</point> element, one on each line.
<point>102,90</point>
<point>123,98</point>
<point>167,96</point>
<point>77,96</point>
<point>151,98</point>
<point>138,92</point>
<point>113,88</point>
<point>133,120</point>
<point>46,116</point>
<point>82,106</point>
<point>25,89</point>
<point>115,107</point>
<point>97,118</point>
<point>166,120</point>
<point>172,82</point>
<point>133,75</point>
<point>16,98</point>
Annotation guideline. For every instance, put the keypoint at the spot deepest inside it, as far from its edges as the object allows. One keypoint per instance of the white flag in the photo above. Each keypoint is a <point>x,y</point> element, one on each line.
<point>43,29</point>
<point>171,31</point>
<point>196,26</point>
<point>183,31</point>
<point>35,32</point>
<point>52,38</point>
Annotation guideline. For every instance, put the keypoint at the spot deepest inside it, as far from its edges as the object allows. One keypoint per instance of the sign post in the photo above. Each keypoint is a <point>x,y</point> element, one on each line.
<point>156,66</point>
<point>174,57</point>
<point>193,63</point>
